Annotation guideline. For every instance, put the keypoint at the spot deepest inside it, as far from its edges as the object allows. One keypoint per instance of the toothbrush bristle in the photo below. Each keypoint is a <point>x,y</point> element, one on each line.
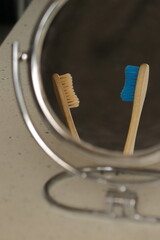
<point>67,86</point>
<point>131,74</point>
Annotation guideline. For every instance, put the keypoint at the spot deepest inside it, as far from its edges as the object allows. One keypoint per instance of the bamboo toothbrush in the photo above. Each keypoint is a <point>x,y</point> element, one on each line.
<point>135,89</point>
<point>66,97</point>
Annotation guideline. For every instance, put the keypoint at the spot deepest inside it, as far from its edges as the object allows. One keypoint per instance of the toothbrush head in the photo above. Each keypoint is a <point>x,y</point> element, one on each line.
<point>66,93</point>
<point>131,74</point>
<point>66,97</point>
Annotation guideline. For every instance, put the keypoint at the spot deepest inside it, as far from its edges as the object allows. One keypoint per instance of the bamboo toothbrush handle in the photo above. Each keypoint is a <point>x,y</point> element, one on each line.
<point>69,120</point>
<point>64,106</point>
<point>139,97</point>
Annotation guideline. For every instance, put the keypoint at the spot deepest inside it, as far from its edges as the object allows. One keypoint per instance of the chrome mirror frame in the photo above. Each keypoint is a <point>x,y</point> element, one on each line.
<point>110,158</point>
<point>113,162</point>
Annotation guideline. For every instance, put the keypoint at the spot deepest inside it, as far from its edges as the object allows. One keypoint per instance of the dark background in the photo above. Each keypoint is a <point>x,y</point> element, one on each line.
<point>10,12</point>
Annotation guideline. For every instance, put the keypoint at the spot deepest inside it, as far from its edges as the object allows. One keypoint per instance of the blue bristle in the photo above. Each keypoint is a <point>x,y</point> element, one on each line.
<point>131,73</point>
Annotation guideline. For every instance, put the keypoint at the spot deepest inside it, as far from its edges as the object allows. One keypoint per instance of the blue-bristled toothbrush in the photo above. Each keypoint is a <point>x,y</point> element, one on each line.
<point>135,88</point>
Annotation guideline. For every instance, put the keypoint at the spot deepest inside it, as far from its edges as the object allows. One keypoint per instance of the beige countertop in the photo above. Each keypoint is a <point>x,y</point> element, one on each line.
<point>24,168</point>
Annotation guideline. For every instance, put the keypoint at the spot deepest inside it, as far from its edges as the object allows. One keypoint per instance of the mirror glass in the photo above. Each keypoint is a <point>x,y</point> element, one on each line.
<point>94,41</point>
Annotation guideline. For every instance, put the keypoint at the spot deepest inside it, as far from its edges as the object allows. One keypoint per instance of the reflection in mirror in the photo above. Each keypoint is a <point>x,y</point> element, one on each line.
<point>94,41</point>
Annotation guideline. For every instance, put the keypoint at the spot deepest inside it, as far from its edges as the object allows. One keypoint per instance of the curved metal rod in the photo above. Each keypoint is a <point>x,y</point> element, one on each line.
<point>35,62</point>
<point>151,175</point>
<point>26,117</point>
<point>133,215</point>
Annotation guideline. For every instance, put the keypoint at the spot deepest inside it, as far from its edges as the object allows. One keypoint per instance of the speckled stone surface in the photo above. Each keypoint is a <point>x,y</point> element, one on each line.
<point>24,168</point>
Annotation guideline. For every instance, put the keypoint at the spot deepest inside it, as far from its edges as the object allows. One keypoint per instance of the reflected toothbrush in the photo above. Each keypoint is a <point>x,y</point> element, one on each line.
<point>135,89</point>
<point>66,97</point>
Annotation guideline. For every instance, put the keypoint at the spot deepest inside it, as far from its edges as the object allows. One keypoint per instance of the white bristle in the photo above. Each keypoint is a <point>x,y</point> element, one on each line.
<point>67,86</point>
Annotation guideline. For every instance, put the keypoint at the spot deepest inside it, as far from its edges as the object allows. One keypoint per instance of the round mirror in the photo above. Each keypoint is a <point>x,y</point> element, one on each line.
<point>94,41</point>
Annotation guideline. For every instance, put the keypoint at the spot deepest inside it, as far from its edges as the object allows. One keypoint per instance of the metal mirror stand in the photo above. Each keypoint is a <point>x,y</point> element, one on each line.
<point>117,196</point>
<point>120,198</point>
